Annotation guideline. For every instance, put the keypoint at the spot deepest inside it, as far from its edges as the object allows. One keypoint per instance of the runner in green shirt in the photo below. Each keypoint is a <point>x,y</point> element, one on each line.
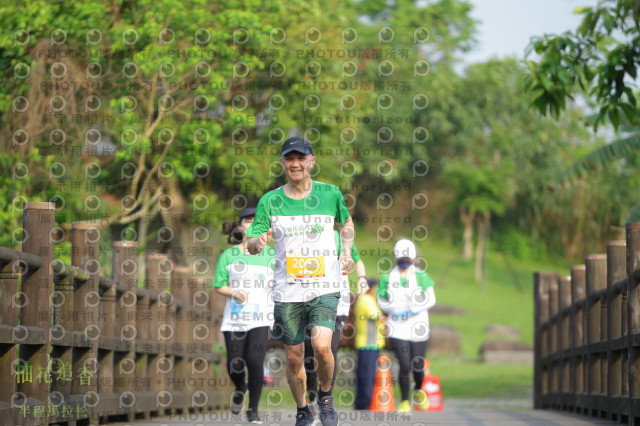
<point>300,217</point>
<point>247,283</point>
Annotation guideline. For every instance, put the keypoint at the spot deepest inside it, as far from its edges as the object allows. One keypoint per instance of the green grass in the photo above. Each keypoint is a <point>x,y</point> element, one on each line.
<point>476,380</point>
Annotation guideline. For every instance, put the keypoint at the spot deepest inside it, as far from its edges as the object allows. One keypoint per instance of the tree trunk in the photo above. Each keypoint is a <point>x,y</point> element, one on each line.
<point>467,216</point>
<point>178,220</point>
<point>484,227</point>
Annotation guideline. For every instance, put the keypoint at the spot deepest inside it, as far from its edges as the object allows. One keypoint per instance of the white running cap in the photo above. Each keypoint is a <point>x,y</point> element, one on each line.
<point>404,248</point>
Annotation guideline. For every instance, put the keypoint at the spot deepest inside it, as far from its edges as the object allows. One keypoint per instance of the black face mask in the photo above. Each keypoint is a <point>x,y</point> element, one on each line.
<point>404,264</point>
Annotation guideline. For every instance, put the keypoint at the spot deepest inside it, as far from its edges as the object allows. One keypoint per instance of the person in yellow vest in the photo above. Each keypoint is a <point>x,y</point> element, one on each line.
<point>405,294</point>
<point>369,323</point>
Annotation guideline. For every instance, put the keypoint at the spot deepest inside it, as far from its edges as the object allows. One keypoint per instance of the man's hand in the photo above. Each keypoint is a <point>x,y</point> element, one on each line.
<point>263,239</point>
<point>363,285</point>
<point>346,264</point>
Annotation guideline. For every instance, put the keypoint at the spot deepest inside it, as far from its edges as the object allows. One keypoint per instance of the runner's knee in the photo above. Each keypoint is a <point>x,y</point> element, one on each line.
<point>295,358</point>
<point>323,352</point>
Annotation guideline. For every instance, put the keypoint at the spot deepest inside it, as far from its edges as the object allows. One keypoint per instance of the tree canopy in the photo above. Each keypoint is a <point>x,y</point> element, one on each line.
<point>600,59</point>
<point>172,112</point>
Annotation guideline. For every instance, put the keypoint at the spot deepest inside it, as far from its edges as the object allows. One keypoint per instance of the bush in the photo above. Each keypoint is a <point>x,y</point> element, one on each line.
<point>519,246</point>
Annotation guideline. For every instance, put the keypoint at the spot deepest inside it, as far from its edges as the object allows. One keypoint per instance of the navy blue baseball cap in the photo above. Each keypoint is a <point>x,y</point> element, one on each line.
<point>249,211</point>
<point>297,143</point>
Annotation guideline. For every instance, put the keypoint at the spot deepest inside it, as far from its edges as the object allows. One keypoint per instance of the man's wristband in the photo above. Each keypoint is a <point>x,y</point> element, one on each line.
<point>362,276</point>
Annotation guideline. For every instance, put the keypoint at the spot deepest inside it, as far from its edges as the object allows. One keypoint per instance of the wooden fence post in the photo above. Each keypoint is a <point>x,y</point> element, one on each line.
<point>85,252</point>
<point>169,335</point>
<point>158,268</point>
<point>107,351</point>
<point>180,287</point>
<point>541,283</point>
<point>35,314</point>
<point>9,319</point>
<point>596,274</point>
<point>578,337</point>
<point>633,315</point>
<point>616,272</point>
<point>143,349</point>
<point>564,284</point>
<point>553,327</point>
<point>125,269</point>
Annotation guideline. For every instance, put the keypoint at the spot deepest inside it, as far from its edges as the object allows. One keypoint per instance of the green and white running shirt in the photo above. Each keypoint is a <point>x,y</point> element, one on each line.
<point>254,275</point>
<point>307,264</point>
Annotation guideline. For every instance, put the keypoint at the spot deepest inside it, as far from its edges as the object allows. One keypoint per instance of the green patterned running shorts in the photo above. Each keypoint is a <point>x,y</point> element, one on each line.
<point>294,320</point>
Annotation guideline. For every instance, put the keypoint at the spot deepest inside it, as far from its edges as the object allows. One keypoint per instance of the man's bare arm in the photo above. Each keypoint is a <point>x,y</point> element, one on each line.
<point>256,244</point>
<point>348,235</point>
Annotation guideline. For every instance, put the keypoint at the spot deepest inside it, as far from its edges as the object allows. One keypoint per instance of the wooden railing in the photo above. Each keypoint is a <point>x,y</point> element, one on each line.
<point>587,334</point>
<point>100,349</point>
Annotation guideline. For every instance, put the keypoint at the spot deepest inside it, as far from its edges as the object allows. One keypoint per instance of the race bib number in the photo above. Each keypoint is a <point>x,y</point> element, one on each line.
<point>305,268</point>
<point>245,313</point>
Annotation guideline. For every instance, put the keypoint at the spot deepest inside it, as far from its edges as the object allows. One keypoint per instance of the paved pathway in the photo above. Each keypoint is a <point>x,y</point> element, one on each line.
<point>455,413</point>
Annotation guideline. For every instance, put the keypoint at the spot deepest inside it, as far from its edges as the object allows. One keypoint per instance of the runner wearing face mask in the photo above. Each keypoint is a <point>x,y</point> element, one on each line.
<point>405,294</point>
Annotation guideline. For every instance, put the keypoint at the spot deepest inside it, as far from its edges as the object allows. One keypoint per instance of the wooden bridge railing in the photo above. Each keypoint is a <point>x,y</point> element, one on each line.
<point>77,347</point>
<point>587,334</point>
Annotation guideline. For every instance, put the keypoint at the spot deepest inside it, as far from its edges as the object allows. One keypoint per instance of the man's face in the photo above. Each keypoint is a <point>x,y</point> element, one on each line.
<point>297,165</point>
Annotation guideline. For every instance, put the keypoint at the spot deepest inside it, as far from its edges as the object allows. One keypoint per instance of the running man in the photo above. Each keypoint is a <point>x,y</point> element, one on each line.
<point>300,217</point>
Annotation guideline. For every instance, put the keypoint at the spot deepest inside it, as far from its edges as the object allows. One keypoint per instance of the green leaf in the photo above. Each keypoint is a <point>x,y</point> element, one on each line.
<point>614,116</point>
<point>581,9</point>
<point>608,21</point>
<point>544,81</point>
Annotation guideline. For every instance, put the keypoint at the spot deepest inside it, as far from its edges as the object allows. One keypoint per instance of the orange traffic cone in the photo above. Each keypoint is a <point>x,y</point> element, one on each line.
<point>382,399</point>
<point>431,386</point>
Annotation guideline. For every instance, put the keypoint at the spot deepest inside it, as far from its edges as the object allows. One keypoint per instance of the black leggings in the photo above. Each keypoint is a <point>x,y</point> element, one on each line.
<point>245,353</point>
<point>410,356</point>
<point>309,362</point>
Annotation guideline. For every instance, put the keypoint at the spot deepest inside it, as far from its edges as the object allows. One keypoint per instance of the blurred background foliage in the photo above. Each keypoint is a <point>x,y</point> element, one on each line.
<point>158,116</point>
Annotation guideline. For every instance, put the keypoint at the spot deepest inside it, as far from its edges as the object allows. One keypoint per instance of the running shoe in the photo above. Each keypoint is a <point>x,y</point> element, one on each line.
<point>421,399</point>
<point>404,407</point>
<point>328,413</point>
<point>237,401</point>
<point>253,417</point>
<point>315,410</point>
<point>304,418</point>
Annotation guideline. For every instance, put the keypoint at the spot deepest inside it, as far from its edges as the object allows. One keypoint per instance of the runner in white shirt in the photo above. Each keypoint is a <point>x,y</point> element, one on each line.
<point>300,216</point>
<point>406,294</point>
<point>247,283</point>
